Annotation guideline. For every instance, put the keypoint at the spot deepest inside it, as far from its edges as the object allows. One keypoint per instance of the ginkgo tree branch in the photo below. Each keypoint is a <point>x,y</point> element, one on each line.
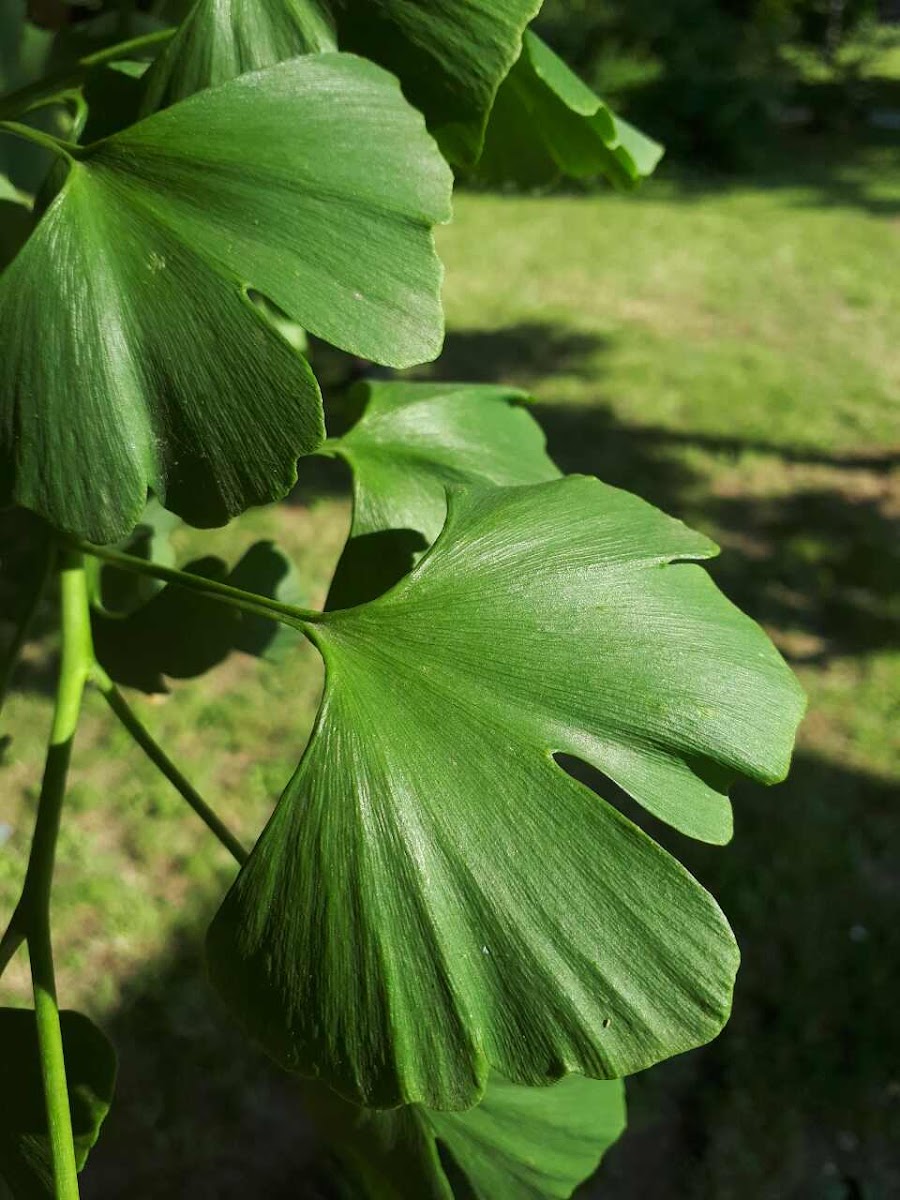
<point>34,907</point>
<point>164,764</point>
<point>249,602</point>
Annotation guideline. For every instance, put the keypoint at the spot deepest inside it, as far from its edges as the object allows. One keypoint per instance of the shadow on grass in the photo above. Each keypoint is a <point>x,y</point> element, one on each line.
<point>819,565</point>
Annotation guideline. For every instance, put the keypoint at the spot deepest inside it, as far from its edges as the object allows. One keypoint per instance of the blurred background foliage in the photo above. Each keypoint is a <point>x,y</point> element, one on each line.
<point>716,79</point>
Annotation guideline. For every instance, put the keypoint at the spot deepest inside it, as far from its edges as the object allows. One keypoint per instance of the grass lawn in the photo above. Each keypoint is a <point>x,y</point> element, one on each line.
<point>732,352</point>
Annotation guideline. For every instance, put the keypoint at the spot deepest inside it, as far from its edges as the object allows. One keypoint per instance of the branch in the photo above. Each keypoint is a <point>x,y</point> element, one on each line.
<point>250,602</point>
<point>161,760</point>
<point>34,906</point>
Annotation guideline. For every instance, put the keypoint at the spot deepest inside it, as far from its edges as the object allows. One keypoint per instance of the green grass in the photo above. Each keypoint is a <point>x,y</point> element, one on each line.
<point>731,352</point>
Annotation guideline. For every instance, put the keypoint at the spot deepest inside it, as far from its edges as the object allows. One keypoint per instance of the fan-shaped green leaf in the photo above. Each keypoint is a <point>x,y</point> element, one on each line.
<point>413,441</point>
<point>546,123</point>
<point>519,1143</point>
<point>434,896</point>
<point>450,55</point>
<point>25,1163</point>
<point>135,358</point>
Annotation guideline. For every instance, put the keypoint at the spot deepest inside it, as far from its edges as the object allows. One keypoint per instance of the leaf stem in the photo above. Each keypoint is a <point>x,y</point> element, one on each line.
<point>34,906</point>
<point>20,637</point>
<point>47,90</point>
<point>258,606</point>
<point>66,150</point>
<point>161,760</point>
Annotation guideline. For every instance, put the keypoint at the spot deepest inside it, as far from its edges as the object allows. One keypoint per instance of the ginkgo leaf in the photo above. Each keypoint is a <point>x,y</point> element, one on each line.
<point>434,896</point>
<point>221,39</point>
<point>450,55</point>
<point>411,442</point>
<point>25,1162</point>
<point>135,358</point>
<point>519,1143</point>
<point>546,123</point>
<point>181,634</point>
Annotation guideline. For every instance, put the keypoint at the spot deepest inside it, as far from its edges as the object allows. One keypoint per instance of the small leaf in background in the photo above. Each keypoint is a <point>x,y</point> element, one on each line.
<point>127,313</point>
<point>411,442</point>
<point>25,1162</point>
<point>519,1143</point>
<point>182,634</point>
<point>434,896</point>
<point>547,123</point>
<point>449,55</point>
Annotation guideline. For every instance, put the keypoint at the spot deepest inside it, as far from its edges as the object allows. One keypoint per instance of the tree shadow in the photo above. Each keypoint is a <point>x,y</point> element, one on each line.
<point>199,1111</point>
<point>520,354</point>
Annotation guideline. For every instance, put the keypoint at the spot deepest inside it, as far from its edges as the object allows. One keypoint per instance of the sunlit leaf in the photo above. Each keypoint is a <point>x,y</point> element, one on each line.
<point>450,55</point>
<point>135,359</point>
<point>434,896</point>
<point>411,442</point>
<point>547,123</point>
<point>25,1163</point>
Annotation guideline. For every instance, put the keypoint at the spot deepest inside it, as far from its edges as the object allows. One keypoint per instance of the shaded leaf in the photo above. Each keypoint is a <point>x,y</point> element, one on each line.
<point>450,55</point>
<point>411,442</point>
<point>118,593</point>
<point>113,93</point>
<point>25,1162</point>
<point>434,896</point>
<point>126,311</point>
<point>12,19</point>
<point>182,634</point>
<point>546,123</point>
<point>519,1143</point>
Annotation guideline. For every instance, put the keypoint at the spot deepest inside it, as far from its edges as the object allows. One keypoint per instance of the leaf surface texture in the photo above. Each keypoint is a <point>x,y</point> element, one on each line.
<point>434,896</point>
<point>136,359</point>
